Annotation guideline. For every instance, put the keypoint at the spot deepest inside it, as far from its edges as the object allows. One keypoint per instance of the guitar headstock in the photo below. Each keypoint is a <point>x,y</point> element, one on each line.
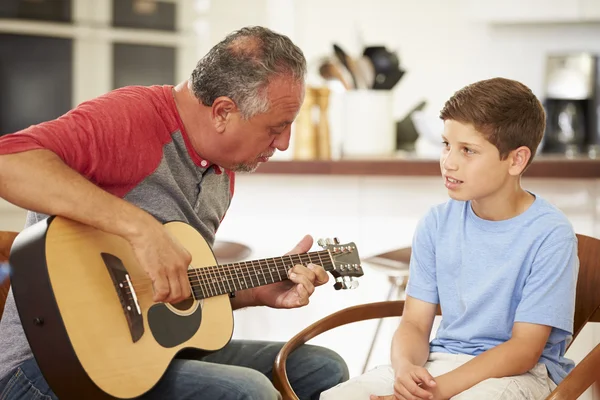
<point>346,263</point>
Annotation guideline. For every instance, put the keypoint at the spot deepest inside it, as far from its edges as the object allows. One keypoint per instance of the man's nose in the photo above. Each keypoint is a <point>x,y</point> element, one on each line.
<point>282,141</point>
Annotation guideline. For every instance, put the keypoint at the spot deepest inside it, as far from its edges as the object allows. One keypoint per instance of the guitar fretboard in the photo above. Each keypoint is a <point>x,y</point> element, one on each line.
<point>220,279</point>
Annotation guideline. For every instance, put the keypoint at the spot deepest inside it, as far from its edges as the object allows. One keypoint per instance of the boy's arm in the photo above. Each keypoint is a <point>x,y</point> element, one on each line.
<point>514,357</point>
<point>410,343</point>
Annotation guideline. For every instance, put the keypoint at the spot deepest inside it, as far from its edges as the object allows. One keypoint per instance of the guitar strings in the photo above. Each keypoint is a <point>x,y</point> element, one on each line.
<point>210,280</point>
<point>217,280</point>
<point>235,270</point>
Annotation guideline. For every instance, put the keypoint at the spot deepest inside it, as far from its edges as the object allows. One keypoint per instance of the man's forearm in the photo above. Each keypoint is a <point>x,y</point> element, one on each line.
<point>40,181</point>
<point>507,359</point>
<point>243,298</point>
<point>409,344</point>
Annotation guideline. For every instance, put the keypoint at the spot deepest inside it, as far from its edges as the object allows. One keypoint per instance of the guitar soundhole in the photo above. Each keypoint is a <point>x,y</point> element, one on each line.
<point>184,305</point>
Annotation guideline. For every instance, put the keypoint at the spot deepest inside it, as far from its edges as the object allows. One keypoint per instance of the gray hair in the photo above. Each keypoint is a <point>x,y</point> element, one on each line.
<point>241,65</point>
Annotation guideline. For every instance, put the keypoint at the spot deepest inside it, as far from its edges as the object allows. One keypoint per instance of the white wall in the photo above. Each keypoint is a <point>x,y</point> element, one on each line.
<point>439,45</point>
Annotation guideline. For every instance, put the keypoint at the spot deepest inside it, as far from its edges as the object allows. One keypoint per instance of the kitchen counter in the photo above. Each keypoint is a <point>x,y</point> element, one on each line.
<point>542,167</point>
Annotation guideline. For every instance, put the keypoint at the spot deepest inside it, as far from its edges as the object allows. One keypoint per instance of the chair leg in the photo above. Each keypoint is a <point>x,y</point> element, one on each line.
<point>393,289</point>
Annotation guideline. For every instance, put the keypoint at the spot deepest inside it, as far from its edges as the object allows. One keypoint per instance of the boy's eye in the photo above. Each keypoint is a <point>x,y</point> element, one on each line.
<point>468,151</point>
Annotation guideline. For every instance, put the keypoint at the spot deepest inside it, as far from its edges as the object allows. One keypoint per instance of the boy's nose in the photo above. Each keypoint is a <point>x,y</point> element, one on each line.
<point>448,162</point>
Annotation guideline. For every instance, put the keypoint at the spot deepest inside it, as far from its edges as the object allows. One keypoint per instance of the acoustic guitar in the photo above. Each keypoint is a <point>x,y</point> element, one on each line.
<point>87,310</point>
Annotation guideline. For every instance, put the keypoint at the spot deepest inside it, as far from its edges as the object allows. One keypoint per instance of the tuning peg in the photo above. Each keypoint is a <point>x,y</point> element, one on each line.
<point>336,240</point>
<point>354,284</point>
<point>339,283</point>
<point>322,243</point>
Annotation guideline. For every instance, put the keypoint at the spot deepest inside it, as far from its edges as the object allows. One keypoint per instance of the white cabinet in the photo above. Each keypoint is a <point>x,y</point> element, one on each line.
<point>590,10</point>
<point>527,11</point>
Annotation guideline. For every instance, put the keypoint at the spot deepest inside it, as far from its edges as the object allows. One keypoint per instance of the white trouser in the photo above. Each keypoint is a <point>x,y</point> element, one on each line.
<point>533,385</point>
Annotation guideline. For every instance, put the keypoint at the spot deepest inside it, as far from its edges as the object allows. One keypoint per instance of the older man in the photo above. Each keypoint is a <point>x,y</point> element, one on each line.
<point>136,157</point>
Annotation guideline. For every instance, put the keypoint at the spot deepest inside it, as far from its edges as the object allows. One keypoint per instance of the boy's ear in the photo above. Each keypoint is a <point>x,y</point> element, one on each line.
<point>519,159</point>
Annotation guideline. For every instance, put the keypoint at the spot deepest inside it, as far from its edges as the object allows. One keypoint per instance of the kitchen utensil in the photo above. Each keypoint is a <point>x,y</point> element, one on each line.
<point>386,66</point>
<point>350,65</point>
<point>333,70</point>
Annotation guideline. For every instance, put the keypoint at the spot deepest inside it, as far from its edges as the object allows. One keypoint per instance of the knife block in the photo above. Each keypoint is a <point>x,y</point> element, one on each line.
<point>312,139</point>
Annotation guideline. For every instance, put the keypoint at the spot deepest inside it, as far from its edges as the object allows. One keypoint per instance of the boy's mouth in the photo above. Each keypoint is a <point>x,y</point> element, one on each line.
<point>452,183</point>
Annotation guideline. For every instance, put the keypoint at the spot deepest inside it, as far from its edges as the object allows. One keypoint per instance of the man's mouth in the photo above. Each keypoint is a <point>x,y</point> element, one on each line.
<point>265,157</point>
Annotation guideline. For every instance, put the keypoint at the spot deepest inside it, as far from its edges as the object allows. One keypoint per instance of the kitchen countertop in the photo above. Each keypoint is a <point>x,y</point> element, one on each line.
<point>542,167</point>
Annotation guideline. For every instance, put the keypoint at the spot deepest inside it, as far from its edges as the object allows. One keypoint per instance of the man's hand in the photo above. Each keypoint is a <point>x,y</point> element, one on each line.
<point>294,292</point>
<point>165,261</point>
<point>412,383</point>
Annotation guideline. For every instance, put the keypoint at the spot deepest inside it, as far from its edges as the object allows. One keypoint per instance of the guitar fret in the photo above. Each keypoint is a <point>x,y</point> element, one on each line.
<point>277,269</point>
<point>201,285</point>
<point>269,269</point>
<point>293,263</point>
<point>230,280</point>
<point>237,275</point>
<point>258,282</point>
<point>224,279</point>
<point>227,279</point>
<point>213,280</point>
<point>205,282</point>
<point>199,282</point>
<point>241,272</point>
<point>250,275</point>
<point>262,271</point>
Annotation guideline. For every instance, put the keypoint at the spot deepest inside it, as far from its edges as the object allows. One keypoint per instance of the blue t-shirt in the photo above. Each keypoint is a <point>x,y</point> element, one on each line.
<point>487,275</point>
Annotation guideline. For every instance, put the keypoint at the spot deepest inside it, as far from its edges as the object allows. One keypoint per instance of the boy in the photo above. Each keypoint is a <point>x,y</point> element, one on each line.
<point>501,262</point>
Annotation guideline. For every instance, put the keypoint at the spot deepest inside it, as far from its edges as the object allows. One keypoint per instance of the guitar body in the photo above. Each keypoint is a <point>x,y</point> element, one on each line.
<point>87,311</point>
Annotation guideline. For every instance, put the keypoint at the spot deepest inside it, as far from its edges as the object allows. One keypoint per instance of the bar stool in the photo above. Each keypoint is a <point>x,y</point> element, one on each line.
<point>395,265</point>
<point>227,252</point>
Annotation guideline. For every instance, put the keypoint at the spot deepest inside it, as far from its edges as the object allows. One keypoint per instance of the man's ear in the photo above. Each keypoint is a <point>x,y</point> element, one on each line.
<point>222,109</point>
<point>519,159</point>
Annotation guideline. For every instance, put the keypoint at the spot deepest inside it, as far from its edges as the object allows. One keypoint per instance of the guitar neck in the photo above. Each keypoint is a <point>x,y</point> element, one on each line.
<point>220,279</point>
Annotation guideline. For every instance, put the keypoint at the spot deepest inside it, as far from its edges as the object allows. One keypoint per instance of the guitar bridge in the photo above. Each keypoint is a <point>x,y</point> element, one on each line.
<point>126,293</point>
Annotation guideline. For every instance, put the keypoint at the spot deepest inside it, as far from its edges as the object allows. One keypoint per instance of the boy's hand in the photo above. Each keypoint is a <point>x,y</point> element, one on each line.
<point>411,383</point>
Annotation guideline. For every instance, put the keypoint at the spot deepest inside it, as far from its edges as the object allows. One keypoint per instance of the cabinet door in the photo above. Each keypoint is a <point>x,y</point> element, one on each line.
<point>46,10</point>
<point>523,11</point>
<point>590,10</point>
<point>36,80</point>
<point>137,64</point>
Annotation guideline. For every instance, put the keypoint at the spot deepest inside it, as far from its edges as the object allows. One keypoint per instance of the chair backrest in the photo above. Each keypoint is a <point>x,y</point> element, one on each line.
<point>587,301</point>
<point>6,241</point>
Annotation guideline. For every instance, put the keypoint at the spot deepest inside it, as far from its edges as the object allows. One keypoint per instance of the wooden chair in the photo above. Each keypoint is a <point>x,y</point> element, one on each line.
<point>587,309</point>
<point>6,240</point>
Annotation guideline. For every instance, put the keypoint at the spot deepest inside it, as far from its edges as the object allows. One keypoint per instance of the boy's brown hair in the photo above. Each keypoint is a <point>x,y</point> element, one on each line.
<point>504,111</point>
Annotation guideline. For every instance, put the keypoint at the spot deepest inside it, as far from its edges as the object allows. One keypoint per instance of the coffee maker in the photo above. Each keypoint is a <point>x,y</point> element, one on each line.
<point>572,103</point>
